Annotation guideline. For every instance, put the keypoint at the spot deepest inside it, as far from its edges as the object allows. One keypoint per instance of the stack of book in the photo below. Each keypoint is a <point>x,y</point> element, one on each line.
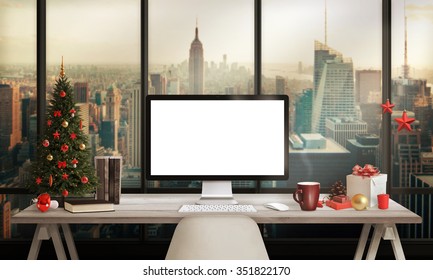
<point>108,170</point>
<point>88,205</point>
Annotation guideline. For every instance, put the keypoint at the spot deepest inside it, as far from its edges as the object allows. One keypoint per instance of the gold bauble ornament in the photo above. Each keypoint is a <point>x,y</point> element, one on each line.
<point>65,124</point>
<point>82,146</point>
<point>359,202</point>
<point>50,157</point>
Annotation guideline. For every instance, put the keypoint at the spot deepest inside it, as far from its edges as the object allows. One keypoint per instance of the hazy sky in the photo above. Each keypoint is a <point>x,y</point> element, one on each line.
<point>108,31</point>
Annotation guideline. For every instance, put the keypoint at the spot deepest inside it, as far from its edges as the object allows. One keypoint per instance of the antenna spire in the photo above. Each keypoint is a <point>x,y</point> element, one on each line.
<point>406,65</point>
<point>196,27</point>
<point>326,24</point>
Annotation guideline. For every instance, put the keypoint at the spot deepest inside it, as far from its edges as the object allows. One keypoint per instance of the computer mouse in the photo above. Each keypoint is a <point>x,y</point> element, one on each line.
<point>277,206</point>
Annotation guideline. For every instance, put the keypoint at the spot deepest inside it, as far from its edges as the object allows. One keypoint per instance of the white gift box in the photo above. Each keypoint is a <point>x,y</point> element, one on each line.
<point>368,186</point>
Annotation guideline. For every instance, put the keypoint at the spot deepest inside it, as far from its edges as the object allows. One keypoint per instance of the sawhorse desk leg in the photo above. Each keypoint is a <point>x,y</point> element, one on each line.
<point>47,231</point>
<point>385,231</point>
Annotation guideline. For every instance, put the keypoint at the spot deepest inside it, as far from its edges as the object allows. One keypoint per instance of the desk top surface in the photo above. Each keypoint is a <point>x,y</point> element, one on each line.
<point>163,208</point>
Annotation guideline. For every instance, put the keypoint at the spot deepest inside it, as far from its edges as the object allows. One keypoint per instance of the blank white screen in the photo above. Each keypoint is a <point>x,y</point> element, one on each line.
<point>217,137</point>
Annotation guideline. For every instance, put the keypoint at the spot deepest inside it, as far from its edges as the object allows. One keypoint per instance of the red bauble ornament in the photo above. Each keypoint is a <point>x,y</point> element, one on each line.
<point>65,193</point>
<point>404,122</point>
<point>64,148</point>
<point>62,93</point>
<point>45,143</point>
<point>84,180</point>
<point>49,122</point>
<point>44,202</point>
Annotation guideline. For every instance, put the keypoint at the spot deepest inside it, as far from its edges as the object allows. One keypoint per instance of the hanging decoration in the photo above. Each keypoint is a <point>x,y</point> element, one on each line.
<point>404,122</point>
<point>65,124</point>
<point>387,107</point>
<point>45,143</point>
<point>56,135</point>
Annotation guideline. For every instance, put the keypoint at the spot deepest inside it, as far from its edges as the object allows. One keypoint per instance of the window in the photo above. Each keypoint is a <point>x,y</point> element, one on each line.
<point>17,90</point>
<point>17,103</point>
<point>100,43</point>
<point>326,55</point>
<point>193,49</point>
<point>412,77</point>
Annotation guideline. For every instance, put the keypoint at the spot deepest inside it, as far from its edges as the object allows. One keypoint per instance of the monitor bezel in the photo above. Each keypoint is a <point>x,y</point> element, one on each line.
<point>149,99</point>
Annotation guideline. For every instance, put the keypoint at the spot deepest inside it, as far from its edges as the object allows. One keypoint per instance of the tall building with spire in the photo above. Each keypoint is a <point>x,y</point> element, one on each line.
<point>196,66</point>
<point>333,87</point>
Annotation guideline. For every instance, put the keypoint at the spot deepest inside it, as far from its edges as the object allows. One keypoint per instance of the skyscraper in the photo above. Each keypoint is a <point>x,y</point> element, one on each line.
<point>134,117</point>
<point>368,83</point>
<point>81,92</point>
<point>304,111</point>
<point>333,86</point>
<point>110,125</point>
<point>159,83</point>
<point>406,149</point>
<point>196,66</point>
<point>10,117</point>
<point>343,129</point>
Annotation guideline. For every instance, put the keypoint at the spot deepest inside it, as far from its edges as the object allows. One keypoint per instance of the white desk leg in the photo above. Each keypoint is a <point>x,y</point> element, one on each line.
<point>396,244</point>
<point>362,241</point>
<point>70,241</point>
<point>36,242</point>
<point>374,243</point>
<point>57,241</point>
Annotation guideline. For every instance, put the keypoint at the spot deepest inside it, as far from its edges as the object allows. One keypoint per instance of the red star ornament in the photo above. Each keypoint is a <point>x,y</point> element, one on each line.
<point>56,135</point>
<point>38,180</point>
<point>49,122</point>
<point>65,176</point>
<point>387,107</point>
<point>404,122</point>
<point>73,136</point>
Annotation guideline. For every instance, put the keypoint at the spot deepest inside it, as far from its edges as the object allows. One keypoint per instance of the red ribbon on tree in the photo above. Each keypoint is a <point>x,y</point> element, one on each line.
<point>367,171</point>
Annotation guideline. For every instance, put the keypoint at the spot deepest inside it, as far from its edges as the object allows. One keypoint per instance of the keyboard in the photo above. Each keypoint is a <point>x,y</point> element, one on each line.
<point>218,208</point>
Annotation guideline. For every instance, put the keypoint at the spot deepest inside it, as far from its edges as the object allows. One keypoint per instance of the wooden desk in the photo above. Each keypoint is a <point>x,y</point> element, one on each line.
<point>163,208</point>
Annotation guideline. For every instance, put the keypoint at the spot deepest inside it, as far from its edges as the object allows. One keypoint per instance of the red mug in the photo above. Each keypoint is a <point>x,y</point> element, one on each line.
<point>307,195</point>
<point>383,201</point>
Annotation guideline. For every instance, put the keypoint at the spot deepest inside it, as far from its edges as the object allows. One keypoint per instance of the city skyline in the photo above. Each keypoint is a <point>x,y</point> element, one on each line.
<point>115,35</point>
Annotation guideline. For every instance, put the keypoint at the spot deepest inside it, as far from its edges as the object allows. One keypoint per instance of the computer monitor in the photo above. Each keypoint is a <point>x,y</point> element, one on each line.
<point>217,139</point>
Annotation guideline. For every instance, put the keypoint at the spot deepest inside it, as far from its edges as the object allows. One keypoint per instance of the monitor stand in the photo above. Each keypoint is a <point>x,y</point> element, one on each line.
<point>216,192</point>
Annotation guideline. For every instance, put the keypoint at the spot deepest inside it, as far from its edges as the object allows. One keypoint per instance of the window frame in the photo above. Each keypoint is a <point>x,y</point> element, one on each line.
<point>385,141</point>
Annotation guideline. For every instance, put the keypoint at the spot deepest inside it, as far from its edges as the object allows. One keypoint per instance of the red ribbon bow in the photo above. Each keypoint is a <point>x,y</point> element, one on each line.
<point>367,171</point>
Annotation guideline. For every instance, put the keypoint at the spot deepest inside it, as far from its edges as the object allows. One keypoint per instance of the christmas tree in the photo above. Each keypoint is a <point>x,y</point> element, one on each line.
<point>63,163</point>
